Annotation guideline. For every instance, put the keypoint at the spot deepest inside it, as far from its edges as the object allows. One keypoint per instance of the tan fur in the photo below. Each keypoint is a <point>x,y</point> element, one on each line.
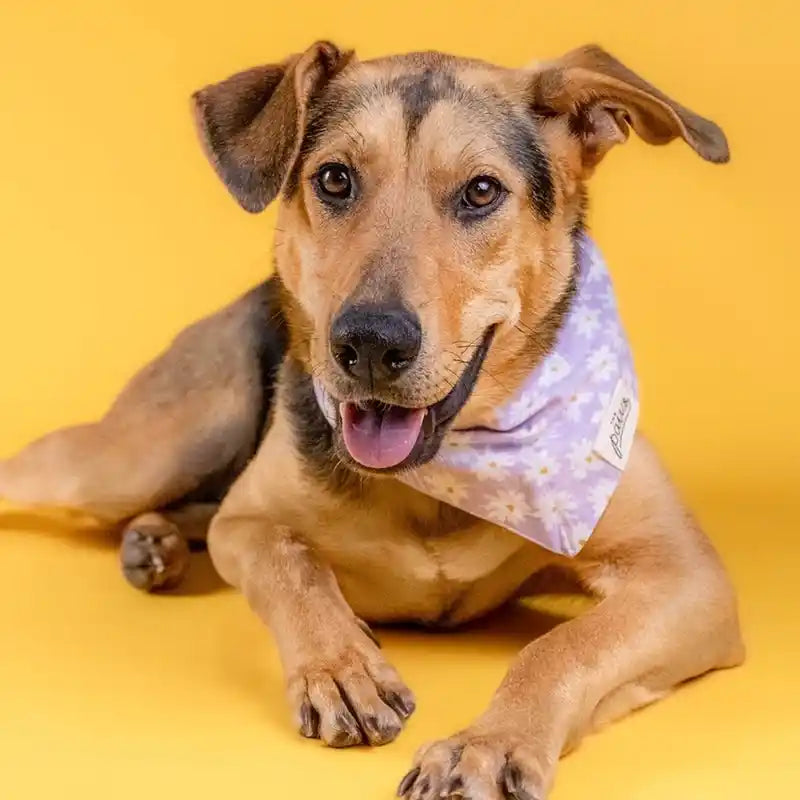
<point>513,278</point>
<point>197,398</point>
<point>315,562</point>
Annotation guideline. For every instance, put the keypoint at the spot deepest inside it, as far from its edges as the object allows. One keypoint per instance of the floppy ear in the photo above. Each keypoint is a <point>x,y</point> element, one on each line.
<point>602,97</point>
<point>251,124</point>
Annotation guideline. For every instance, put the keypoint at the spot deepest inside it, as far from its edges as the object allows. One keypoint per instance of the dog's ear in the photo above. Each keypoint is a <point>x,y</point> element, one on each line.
<point>251,124</point>
<point>602,97</point>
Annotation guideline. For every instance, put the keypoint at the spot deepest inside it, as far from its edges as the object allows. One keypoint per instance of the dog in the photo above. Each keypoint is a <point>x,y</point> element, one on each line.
<point>369,436</point>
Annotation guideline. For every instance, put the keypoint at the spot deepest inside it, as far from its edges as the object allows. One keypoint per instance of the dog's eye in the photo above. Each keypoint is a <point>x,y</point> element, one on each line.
<point>481,195</point>
<point>482,192</point>
<point>334,182</point>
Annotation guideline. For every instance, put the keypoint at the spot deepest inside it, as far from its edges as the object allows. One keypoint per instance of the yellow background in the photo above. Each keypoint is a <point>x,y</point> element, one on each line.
<point>115,234</point>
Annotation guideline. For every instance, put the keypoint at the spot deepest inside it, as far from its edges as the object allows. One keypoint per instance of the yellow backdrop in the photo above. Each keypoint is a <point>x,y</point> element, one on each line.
<point>115,234</point>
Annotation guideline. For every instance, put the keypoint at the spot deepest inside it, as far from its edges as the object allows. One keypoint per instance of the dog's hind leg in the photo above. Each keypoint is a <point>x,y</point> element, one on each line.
<point>192,416</point>
<point>154,553</point>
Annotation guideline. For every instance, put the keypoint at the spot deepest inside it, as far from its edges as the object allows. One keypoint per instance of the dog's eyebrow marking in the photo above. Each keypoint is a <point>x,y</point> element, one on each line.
<point>519,138</point>
<point>420,91</point>
<point>338,104</point>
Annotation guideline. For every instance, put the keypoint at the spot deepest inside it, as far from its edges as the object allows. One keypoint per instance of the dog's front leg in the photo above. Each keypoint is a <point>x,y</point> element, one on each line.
<point>667,613</point>
<point>340,687</point>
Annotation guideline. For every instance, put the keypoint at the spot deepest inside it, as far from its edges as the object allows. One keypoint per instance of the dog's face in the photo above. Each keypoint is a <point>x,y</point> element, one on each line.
<point>430,205</point>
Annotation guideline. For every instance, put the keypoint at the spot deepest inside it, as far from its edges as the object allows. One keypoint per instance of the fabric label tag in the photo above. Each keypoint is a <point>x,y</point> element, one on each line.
<point>618,426</point>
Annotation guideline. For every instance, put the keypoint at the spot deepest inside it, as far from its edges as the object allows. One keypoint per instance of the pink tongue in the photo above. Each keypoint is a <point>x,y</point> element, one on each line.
<point>380,440</point>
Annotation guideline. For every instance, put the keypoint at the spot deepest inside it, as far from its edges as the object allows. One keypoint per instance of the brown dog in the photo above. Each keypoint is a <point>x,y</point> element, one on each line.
<point>425,255</point>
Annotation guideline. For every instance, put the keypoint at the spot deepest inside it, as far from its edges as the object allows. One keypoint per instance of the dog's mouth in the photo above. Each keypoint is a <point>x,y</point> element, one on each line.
<point>380,437</point>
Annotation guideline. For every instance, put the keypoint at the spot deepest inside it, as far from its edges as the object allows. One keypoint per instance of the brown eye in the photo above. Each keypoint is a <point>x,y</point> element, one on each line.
<point>334,182</point>
<point>482,192</point>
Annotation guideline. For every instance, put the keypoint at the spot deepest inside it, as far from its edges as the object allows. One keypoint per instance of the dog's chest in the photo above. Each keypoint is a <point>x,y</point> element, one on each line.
<point>402,556</point>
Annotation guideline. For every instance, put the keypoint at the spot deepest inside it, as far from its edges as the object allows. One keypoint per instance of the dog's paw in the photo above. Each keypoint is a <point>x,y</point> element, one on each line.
<point>472,766</point>
<point>153,557</point>
<point>353,698</point>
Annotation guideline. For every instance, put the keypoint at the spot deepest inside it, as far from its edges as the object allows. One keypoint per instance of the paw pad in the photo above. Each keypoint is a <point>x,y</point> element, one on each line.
<point>152,558</point>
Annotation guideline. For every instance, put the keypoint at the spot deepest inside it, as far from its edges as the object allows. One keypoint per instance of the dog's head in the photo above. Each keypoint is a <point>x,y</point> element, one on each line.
<point>430,207</point>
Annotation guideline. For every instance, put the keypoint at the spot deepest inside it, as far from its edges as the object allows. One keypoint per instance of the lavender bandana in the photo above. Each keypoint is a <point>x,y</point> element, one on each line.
<point>545,464</point>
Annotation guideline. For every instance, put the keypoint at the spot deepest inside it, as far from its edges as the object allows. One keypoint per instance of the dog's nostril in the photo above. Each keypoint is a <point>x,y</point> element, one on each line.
<point>397,360</point>
<point>346,355</point>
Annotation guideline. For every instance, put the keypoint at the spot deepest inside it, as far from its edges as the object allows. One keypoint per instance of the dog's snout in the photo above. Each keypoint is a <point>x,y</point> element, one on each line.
<point>375,344</point>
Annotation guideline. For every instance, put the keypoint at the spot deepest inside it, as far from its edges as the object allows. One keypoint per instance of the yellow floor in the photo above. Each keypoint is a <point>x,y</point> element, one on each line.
<point>108,693</point>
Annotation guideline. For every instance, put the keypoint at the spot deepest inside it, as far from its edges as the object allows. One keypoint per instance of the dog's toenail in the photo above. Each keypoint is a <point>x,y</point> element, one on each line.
<point>400,705</point>
<point>345,739</point>
<point>347,731</point>
<point>408,782</point>
<point>512,779</point>
<point>372,724</point>
<point>309,720</point>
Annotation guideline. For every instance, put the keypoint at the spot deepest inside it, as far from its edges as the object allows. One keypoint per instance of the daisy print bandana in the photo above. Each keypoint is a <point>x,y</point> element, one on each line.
<point>545,464</point>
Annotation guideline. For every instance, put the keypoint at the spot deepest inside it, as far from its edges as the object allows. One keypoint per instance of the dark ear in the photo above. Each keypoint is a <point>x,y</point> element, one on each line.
<point>251,124</point>
<point>603,97</point>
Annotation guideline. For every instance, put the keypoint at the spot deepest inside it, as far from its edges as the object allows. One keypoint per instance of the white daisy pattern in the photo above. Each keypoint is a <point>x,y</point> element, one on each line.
<point>575,403</point>
<point>555,508</point>
<point>508,507</point>
<point>529,465</point>
<point>587,320</point>
<point>520,410</point>
<point>554,369</point>
<point>602,363</point>
<point>543,468</point>
<point>447,487</point>
<point>583,459</point>
<point>596,273</point>
<point>491,466</point>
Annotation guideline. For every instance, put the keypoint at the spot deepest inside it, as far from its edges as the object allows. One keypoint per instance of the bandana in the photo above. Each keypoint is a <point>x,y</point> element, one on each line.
<point>545,464</point>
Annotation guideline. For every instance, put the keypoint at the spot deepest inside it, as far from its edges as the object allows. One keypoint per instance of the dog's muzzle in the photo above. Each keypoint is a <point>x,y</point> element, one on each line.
<point>381,437</point>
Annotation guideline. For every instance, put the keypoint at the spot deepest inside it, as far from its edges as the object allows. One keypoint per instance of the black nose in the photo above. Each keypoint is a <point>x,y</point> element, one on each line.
<point>373,343</point>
